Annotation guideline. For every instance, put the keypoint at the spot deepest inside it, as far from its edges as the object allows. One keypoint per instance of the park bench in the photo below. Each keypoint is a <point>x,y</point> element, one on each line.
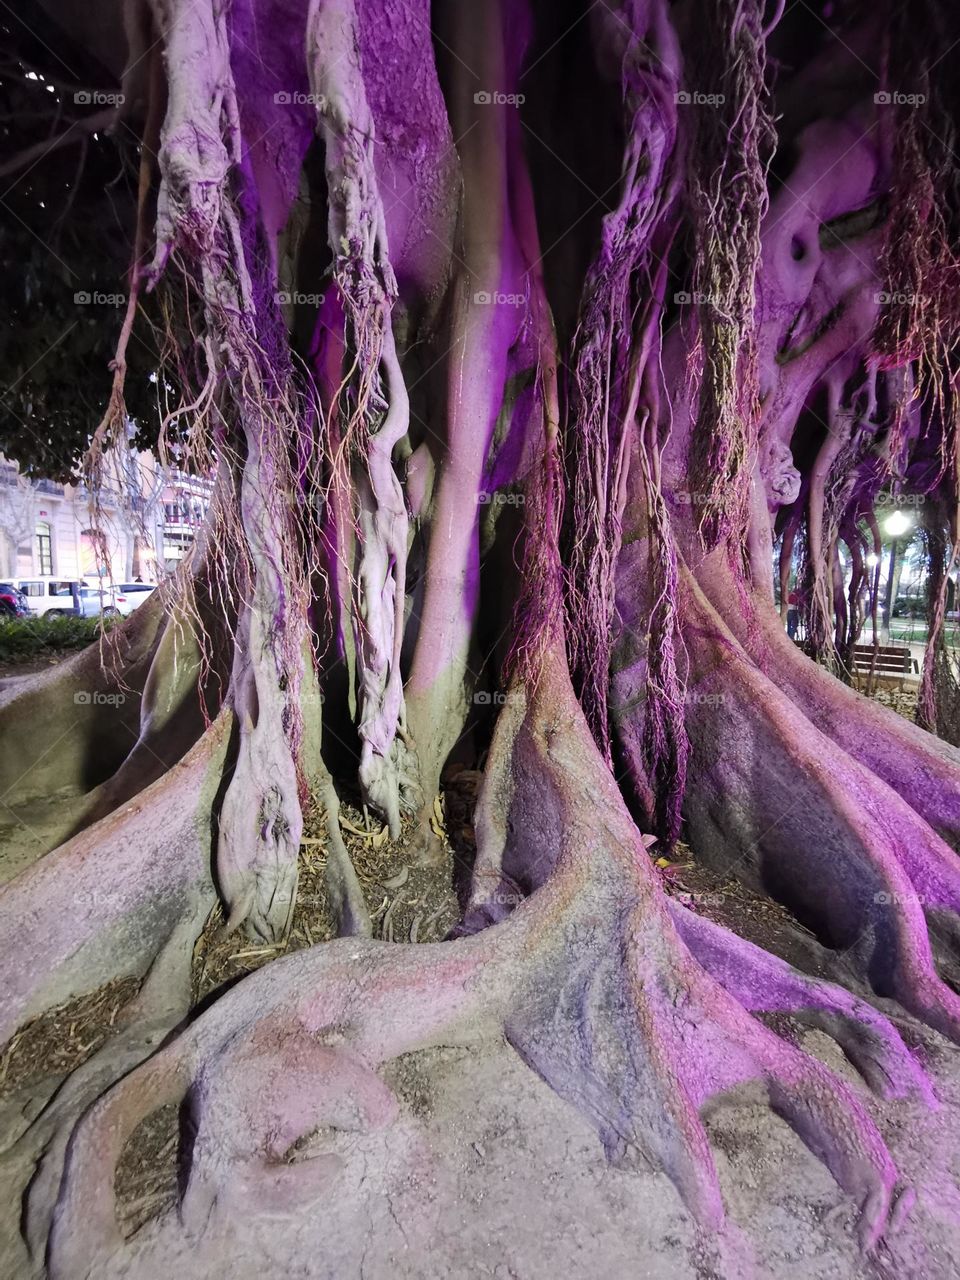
<point>892,660</point>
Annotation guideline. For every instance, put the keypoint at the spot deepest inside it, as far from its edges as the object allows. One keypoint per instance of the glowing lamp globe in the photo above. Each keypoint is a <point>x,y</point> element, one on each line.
<point>897,524</point>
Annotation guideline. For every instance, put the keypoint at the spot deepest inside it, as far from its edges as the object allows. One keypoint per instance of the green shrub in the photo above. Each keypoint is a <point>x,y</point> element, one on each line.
<point>25,639</point>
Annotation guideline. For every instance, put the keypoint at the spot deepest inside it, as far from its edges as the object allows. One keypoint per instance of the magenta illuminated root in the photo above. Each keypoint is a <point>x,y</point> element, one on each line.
<point>727,165</point>
<point>606,380</point>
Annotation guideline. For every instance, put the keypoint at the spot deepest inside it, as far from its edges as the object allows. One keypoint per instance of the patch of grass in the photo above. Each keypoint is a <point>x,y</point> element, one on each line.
<point>26,639</point>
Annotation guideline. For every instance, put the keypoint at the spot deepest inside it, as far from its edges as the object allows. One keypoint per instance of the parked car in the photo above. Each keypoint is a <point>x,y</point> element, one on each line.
<point>97,600</point>
<point>48,596</point>
<point>13,603</point>
<point>131,595</point>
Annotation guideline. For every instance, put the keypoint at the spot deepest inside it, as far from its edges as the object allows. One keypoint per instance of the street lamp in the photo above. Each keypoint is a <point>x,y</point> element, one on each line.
<point>897,524</point>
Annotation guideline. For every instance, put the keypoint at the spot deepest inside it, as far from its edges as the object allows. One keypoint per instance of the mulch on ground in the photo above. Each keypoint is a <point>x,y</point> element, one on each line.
<point>146,1179</point>
<point>64,1037</point>
<point>407,902</point>
<point>729,902</point>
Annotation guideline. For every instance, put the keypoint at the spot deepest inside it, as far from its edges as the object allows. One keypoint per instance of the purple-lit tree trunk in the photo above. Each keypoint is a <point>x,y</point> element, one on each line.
<point>730,377</point>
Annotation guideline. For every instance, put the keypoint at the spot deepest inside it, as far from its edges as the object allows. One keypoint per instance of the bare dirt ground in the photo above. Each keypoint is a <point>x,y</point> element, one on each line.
<point>17,669</point>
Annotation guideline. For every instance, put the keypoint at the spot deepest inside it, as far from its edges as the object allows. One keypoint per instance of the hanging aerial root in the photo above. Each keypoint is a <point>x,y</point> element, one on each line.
<point>112,431</point>
<point>938,698</point>
<point>373,401</point>
<point>919,321</point>
<point>665,746</point>
<point>733,140</point>
<point>209,220</point>
<point>822,526</point>
<point>918,326</point>
<point>618,302</point>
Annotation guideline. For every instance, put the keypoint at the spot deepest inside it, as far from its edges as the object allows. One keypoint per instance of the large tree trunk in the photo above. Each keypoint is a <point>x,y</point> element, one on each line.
<point>388,553</point>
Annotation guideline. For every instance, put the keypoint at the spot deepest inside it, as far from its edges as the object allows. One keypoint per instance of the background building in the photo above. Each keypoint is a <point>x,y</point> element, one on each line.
<point>146,517</point>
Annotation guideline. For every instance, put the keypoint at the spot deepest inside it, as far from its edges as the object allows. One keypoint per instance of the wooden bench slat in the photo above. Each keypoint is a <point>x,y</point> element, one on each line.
<point>886,659</point>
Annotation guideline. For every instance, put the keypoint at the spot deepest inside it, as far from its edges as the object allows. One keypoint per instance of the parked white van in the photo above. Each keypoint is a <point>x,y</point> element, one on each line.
<point>54,597</point>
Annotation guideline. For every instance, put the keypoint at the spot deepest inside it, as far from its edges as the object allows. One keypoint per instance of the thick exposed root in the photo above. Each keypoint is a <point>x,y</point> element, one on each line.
<point>143,1024</point>
<point>183,688</point>
<point>641,1036</point>
<point>762,983</point>
<point>104,904</point>
<point>136,703</point>
<point>261,1078</point>
<point>588,979</point>
<point>920,767</point>
<point>126,897</point>
<point>75,724</point>
<point>778,786</point>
